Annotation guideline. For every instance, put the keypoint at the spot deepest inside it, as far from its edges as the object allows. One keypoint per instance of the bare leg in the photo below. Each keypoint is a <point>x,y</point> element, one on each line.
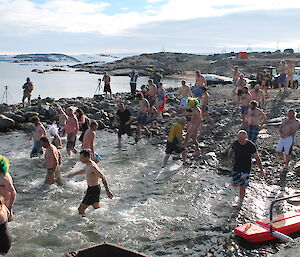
<point>50,177</point>
<point>82,208</point>
<point>166,160</point>
<point>184,157</point>
<point>242,193</point>
<point>96,205</point>
<point>119,140</point>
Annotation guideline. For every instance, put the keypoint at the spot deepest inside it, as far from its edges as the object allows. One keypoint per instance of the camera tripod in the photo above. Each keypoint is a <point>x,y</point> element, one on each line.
<point>99,88</point>
<point>5,96</point>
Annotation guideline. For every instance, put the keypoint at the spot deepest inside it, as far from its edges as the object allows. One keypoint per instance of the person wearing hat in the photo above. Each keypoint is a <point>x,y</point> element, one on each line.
<point>7,189</point>
<point>287,130</point>
<point>56,141</point>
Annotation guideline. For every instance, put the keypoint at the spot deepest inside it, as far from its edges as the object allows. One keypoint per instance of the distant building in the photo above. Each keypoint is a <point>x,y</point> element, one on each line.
<point>288,51</point>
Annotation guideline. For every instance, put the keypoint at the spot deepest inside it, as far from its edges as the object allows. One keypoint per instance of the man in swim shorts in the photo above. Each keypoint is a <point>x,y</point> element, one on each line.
<point>124,117</point>
<point>142,117</point>
<point>242,151</point>
<point>27,91</point>
<point>287,130</point>
<point>240,83</point>
<point>184,92</point>
<point>258,95</point>
<point>283,71</point>
<point>290,74</point>
<point>7,189</point>
<point>89,138</point>
<point>205,100</point>
<point>93,175</point>
<point>38,133</point>
<point>72,128</point>
<point>152,93</point>
<point>106,80</point>
<point>175,141</point>
<point>246,99</point>
<point>199,84</point>
<point>254,116</point>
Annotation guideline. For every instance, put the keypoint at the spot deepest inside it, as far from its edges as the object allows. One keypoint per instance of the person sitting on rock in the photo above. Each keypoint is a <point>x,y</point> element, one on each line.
<point>38,133</point>
<point>27,91</point>
<point>124,117</point>
<point>175,141</point>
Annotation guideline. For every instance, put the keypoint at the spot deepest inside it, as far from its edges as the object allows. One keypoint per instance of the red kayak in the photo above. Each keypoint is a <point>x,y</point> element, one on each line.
<point>259,231</point>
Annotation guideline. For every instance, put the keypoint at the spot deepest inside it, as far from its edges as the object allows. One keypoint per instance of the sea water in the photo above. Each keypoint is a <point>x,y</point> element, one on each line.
<point>176,211</point>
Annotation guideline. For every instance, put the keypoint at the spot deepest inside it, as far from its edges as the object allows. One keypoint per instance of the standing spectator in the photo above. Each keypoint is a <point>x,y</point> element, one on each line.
<point>258,95</point>
<point>133,80</point>
<point>282,70</point>
<point>156,77</point>
<point>199,84</point>
<point>265,81</point>
<point>290,74</point>
<point>83,122</point>
<point>71,129</point>
<point>39,131</point>
<point>107,88</point>
<point>161,99</point>
<point>184,92</point>
<point>287,130</point>
<point>27,91</point>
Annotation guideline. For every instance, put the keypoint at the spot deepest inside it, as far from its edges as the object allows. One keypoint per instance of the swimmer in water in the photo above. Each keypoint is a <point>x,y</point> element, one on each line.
<point>93,175</point>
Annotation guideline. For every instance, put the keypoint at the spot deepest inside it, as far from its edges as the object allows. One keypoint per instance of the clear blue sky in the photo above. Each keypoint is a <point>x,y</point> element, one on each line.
<point>136,26</point>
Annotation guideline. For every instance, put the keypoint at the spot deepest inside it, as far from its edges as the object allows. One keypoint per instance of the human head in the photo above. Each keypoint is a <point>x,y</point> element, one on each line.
<point>160,85</point>
<point>79,113</point>
<point>183,82</point>
<point>256,87</point>
<point>94,125</point>
<point>291,114</point>
<point>4,165</point>
<point>235,67</point>
<point>253,105</point>
<point>69,111</point>
<point>105,73</point>
<point>242,136</point>
<point>193,102</point>
<point>204,89</point>
<point>264,71</point>
<point>35,120</point>
<point>45,142</point>
<point>241,76</point>
<point>197,72</point>
<point>28,79</point>
<point>139,95</point>
<point>85,155</point>
<point>282,62</point>
<point>121,106</point>
<point>245,89</point>
<point>150,81</point>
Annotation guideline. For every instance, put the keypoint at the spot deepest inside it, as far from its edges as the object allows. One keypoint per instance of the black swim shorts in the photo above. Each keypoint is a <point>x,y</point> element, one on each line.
<point>92,195</point>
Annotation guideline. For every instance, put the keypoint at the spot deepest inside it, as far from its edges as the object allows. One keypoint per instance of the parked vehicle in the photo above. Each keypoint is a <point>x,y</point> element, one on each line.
<point>272,83</point>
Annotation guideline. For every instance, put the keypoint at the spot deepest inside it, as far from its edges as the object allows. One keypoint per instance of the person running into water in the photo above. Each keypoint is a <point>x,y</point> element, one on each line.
<point>7,189</point>
<point>205,101</point>
<point>5,237</point>
<point>283,71</point>
<point>88,142</point>
<point>52,163</point>
<point>93,175</point>
<point>242,151</point>
<point>39,131</point>
<point>71,129</point>
<point>240,83</point>
<point>265,81</point>
<point>195,124</point>
<point>175,141</point>
<point>199,84</point>
<point>287,130</point>
<point>290,74</point>
<point>56,141</point>
<point>246,99</point>
<point>62,121</point>
<point>124,117</point>
<point>133,80</point>
<point>258,95</point>
<point>152,93</point>
<point>27,91</point>
<point>142,117</point>
<point>161,99</point>
<point>184,93</point>
<point>107,88</point>
<point>83,122</point>
<point>254,116</point>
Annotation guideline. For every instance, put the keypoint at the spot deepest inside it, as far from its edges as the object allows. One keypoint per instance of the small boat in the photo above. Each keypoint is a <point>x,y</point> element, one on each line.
<point>104,250</point>
<point>279,226</point>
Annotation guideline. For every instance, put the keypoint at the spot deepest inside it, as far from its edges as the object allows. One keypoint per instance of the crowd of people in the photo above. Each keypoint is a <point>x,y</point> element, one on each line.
<point>193,107</point>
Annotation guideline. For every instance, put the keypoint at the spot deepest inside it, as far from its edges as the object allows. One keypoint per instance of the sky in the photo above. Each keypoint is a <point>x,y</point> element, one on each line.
<point>138,26</point>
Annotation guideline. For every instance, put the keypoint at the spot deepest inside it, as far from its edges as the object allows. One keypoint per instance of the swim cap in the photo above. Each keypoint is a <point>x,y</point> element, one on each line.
<point>193,102</point>
<point>4,164</point>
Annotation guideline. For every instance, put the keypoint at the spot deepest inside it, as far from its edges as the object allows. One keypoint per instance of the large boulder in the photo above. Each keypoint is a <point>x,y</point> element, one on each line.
<point>16,117</point>
<point>30,115</point>
<point>6,123</point>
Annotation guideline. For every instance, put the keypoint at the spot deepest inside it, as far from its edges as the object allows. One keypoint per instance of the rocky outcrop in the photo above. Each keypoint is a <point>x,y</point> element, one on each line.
<point>6,123</point>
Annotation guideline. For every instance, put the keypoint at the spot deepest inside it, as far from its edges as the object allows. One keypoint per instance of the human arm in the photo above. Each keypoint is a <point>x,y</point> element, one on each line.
<point>264,118</point>
<point>259,163</point>
<point>71,175</point>
<point>8,185</point>
<point>82,120</point>
<point>230,157</point>
<point>129,121</point>
<point>116,118</point>
<point>105,183</point>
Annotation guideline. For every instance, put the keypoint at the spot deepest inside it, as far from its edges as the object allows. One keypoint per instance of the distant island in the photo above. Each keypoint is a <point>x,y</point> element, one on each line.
<point>52,57</point>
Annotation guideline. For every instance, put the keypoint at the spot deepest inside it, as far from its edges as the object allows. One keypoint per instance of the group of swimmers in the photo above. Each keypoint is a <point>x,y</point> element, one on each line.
<point>193,105</point>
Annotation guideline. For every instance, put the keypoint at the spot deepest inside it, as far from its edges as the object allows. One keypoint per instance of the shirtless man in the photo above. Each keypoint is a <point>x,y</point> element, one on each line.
<point>71,129</point>
<point>240,83</point>
<point>258,95</point>
<point>283,71</point>
<point>106,80</point>
<point>254,116</point>
<point>62,121</point>
<point>199,84</point>
<point>195,124</point>
<point>205,100</point>
<point>88,142</point>
<point>287,130</point>
<point>53,160</point>
<point>28,88</point>
<point>39,131</point>
<point>142,117</point>
<point>93,175</point>
<point>246,99</point>
<point>184,92</point>
<point>290,74</point>
<point>235,75</point>
<point>152,93</point>
<point>7,189</point>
